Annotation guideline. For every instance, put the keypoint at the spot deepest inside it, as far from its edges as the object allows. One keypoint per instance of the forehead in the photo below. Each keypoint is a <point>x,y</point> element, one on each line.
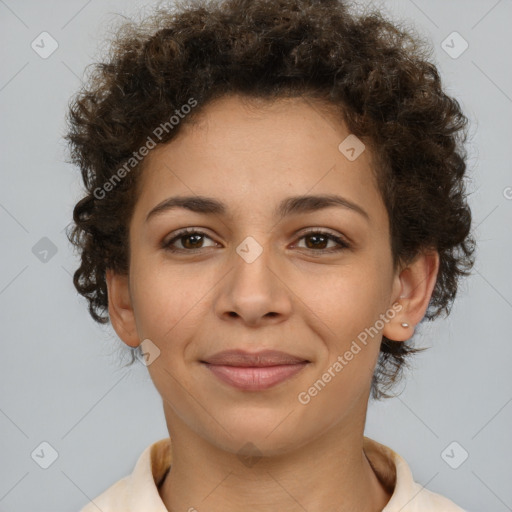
<point>250,153</point>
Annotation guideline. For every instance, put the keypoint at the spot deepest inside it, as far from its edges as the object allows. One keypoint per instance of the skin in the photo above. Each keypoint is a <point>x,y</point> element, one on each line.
<point>291,298</point>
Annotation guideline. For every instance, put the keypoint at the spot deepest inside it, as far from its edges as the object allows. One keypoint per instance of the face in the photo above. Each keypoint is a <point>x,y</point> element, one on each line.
<point>255,276</point>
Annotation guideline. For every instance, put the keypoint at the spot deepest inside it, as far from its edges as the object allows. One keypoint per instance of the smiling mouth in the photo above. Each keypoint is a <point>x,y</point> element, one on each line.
<point>255,378</point>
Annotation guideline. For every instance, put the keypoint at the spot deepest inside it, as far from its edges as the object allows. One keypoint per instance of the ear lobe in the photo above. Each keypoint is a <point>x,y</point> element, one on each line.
<point>416,284</point>
<point>120,308</point>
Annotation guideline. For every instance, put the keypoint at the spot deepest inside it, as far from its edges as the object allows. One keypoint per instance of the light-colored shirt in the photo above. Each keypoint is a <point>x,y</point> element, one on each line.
<point>138,492</point>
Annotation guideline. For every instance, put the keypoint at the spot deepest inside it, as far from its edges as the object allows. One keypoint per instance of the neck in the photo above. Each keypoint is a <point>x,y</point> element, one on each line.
<point>330,473</point>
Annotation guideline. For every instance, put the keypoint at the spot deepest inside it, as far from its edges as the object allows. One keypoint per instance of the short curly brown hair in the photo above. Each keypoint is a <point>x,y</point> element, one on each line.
<point>373,73</point>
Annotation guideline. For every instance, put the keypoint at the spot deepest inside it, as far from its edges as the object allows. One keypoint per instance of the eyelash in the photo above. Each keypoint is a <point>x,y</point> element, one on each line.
<point>343,244</point>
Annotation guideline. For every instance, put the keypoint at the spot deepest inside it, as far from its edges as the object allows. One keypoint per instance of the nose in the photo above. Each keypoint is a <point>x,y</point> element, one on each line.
<point>254,293</point>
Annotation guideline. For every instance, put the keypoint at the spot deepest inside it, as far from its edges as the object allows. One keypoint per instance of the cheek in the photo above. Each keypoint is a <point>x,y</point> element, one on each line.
<point>350,298</point>
<point>352,348</point>
<point>352,306</point>
<point>167,301</point>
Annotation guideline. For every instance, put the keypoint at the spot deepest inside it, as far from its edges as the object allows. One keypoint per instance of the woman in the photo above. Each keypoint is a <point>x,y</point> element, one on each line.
<point>274,201</point>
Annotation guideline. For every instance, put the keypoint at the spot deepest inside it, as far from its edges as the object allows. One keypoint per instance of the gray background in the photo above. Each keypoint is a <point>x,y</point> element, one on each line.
<point>61,381</point>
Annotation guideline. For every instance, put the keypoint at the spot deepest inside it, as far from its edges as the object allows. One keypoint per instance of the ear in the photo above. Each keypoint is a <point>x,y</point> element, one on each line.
<point>412,289</point>
<point>120,308</point>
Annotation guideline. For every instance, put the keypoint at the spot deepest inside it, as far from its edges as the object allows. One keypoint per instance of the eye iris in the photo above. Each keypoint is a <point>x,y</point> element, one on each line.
<point>316,237</point>
<point>188,237</point>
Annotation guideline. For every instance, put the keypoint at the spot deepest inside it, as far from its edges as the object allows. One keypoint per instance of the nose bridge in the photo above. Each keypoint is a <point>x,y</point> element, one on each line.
<point>252,263</point>
<point>253,289</point>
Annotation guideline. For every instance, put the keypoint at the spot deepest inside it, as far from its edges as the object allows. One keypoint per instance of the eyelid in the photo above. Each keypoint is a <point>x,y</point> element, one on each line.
<point>319,229</point>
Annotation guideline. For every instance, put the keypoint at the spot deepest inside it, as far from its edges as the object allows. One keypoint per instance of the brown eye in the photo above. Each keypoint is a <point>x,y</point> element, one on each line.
<point>317,241</point>
<point>190,240</point>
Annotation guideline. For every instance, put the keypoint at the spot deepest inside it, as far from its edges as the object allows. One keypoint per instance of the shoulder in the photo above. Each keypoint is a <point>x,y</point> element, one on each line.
<point>139,490</point>
<point>406,494</point>
<point>428,501</point>
<point>110,499</point>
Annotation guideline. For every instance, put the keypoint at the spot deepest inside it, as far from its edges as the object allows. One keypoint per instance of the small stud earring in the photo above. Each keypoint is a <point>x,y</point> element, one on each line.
<point>405,325</point>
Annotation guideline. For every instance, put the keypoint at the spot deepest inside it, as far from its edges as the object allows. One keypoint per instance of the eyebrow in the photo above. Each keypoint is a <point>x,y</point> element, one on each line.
<point>290,206</point>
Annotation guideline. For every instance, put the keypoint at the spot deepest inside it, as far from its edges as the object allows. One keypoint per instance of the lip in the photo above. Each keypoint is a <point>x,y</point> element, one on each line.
<point>255,378</point>
<point>254,371</point>
<point>260,359</point>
